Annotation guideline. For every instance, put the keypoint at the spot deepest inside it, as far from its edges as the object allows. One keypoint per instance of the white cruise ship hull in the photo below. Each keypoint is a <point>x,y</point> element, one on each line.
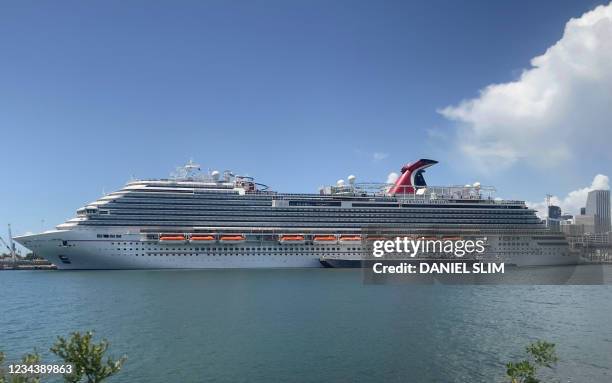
<point>79,250</point>
<point>83,249</point>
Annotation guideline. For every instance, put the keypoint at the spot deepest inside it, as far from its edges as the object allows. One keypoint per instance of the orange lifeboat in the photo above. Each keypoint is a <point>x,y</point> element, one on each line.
<point>350,238</point>
<point>202,238</point>
<point>325,238</point>
<point>172,238</point>
<point>234,238</point>
<point>292,238</point>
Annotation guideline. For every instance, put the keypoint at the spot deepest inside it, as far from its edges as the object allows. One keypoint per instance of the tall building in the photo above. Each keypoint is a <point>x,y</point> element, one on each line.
<point>598,206</point>
<point>554,212</point>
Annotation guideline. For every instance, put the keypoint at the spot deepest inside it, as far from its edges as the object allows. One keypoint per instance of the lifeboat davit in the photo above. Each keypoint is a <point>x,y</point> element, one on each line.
<point>202,238</point>
<point>172,238</point>
<point>353,238</point>
<point>234,238</point>
<point>325,239</point>
<point>292,238</point>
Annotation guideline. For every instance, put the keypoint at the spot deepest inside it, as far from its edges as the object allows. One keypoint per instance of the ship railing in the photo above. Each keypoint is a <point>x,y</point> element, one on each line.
<point>194,180</point>
<point>445,192</point>
<point>407,193</point>
<point>406,198</point>
<point>412,192</point>
<point>367,228</point>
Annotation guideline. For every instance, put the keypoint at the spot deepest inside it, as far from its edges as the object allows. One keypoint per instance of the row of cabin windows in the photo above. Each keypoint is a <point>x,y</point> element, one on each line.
<point>529,224</point>
<point>264,214</point>
<point>514,244</point>
<point>238,248</point>
<point>249,249</point>
<point>287,250</point>
<point>213,254</point>
<point>320,222</point>
<point>235,199</point>
<point>109,235</point>
<point>249,208</point>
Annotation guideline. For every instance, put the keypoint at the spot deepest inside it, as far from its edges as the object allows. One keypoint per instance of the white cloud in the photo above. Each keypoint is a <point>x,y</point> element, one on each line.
<point>600,182</point>
<point>378,156</point>
<point>392,177</point>
<point>574,200</point>
<point>553,111</point>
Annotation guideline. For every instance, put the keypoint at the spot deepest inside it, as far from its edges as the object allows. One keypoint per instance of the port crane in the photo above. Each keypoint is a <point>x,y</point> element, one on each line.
<point>11,247</point>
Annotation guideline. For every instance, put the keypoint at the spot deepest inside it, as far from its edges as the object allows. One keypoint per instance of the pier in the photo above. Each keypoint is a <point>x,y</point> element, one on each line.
<point>23,264</point>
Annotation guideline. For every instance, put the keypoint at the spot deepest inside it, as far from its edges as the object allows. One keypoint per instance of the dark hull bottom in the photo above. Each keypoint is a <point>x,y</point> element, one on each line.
<point>342,263</point>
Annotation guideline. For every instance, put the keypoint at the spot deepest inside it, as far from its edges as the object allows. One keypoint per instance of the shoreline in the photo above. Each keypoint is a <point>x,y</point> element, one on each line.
<point>26,265</point>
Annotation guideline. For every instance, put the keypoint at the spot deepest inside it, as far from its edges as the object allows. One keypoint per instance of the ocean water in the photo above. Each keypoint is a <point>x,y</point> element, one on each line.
<point>306,325</point>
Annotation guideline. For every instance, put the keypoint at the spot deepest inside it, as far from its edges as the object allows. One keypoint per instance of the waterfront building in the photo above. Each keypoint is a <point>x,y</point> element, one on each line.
<point>598,206</point>
<point>587,222</point>
<point>554,212</point>
<point>571,229</point>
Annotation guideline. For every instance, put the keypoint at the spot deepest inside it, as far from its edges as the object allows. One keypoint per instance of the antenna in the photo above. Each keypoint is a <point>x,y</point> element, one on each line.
<point>187,172</point>
<point>548,197</point>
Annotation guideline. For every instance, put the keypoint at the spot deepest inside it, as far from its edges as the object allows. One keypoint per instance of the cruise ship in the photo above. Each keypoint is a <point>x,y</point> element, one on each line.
<point>222,220</point>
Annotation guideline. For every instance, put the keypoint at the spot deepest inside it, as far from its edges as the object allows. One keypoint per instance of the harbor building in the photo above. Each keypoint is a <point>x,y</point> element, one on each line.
<point>598,206</point>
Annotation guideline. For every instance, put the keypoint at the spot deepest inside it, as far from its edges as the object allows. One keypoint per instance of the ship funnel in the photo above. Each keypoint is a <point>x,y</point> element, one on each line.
<point>412,175</point>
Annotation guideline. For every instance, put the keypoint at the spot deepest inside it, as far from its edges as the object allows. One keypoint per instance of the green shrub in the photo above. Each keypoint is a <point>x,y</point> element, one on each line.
<point>541,354</point>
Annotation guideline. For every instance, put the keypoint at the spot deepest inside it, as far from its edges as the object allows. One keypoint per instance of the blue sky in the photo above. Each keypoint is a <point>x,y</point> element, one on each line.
<point>296,93</point>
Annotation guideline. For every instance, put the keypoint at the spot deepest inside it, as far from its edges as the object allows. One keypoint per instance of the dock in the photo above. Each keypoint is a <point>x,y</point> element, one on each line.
<point>26,265</point>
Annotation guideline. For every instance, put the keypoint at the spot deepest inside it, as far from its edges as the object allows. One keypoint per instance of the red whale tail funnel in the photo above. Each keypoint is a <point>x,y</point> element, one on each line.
<point>411,177</point>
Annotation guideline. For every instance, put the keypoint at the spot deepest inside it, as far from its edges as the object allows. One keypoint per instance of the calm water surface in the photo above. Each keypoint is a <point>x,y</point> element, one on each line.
<point>306,325</point>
